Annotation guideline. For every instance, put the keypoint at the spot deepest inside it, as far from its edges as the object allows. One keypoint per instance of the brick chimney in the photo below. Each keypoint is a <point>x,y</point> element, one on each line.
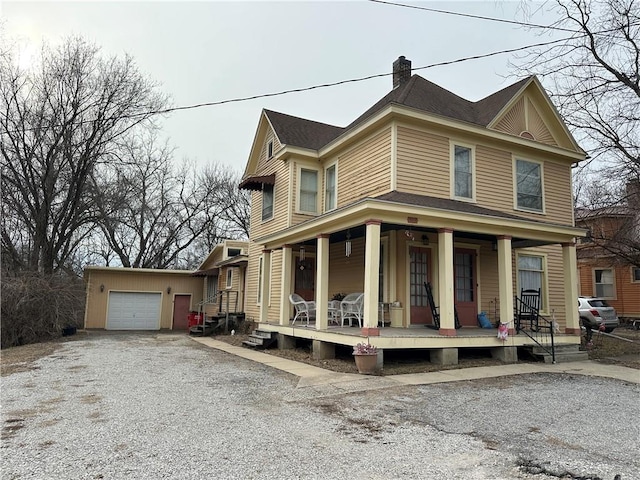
<point>401,71</point>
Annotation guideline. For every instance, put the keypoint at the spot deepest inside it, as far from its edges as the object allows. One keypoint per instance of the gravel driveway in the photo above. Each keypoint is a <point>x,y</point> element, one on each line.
<point>154,406</point>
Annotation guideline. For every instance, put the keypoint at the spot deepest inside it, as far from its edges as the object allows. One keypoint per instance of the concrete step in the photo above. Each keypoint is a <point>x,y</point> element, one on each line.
<point>564,354</point>
<point>260,339</point>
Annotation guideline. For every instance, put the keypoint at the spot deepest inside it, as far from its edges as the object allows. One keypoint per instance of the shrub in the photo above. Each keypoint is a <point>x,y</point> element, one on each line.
<point>36,307</point>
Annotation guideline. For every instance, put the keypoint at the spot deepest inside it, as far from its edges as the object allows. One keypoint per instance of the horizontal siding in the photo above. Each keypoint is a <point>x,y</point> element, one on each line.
<point>280,218</point>
<point>494,179</point>
<point>276,286</point>
<point>96,314</point>
<point>263,162</point>
<point>424,168</point>
<point>627,293</point>
<point>252,310</point>
<point>365,170</point>
<point>422,163</point>
<point>346,274</point>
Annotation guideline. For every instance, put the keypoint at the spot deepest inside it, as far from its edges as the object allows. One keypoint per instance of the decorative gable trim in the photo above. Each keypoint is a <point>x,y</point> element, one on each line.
<point>264,126</point>
<point>531,112</point>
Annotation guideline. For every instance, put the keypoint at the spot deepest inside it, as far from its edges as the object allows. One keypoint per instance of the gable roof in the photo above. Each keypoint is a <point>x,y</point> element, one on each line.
<point>299,132</point>
<point>417,93</point>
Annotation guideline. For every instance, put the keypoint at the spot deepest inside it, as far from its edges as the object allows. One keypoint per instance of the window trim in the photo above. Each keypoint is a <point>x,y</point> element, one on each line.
<point>613,283</point>
<point>273,202</point>
<point>544,288</point>
<point>452,166</point>
<point>516,206</point>
<point>333,165</point>
<point>269,149</point>
<point>633,278</point>
<point>229,276</point>
<point>300,168</point>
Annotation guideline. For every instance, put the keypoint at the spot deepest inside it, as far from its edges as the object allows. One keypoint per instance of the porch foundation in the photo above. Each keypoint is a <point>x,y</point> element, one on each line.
<point>285,342</point>
<point>323,350</point>
<point>444,356</point>
<point>505,354</point>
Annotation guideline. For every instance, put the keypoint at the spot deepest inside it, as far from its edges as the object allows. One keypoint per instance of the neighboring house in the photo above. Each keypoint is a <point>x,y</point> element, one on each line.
<point>609,256</point>
<point>425,186</point>
<point>154,299</point>
<point>224,278</point>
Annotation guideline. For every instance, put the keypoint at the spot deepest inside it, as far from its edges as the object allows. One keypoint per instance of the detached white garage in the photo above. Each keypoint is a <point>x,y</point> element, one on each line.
<point>134,311</point>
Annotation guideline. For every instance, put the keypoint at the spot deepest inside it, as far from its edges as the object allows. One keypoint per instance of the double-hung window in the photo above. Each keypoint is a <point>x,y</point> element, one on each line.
<point>229,277</point>
<point>308,191</point>
<point>267,202</point>
<point>462,172</point>
<point>330,188</point>
<point>604,282</point>
<point>635,274</point>
<point>529,185</point>
<point>531,275</point>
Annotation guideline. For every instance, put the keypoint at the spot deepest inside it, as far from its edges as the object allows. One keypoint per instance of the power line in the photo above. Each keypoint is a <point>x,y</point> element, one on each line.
<point>150,113</point>
<point>479,17</point>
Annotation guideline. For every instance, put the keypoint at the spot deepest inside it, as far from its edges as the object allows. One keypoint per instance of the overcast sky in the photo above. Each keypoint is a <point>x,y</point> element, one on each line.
<point>211,51</point>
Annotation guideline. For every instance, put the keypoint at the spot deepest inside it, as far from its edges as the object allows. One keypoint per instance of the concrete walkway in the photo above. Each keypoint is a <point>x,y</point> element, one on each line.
<point>311,376</point>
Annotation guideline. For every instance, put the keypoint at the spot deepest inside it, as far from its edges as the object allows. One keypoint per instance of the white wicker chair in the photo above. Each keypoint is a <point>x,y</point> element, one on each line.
<point>351,308</point>
<point>304,309</point>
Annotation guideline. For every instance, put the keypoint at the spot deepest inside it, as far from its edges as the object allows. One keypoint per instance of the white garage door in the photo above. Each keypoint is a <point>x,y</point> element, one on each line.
<point>134,311</point>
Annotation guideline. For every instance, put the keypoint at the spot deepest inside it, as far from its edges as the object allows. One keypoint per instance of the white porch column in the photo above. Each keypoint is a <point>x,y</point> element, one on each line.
<point>285,285</point>
<point>265,289</point>
<point>371,278</point>
<point>570,266</point>
<point>322,283</point>
<point>505,280</point>
<point>445,282</point>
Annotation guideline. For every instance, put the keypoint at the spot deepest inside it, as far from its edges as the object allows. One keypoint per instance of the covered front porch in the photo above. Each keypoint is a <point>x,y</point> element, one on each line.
<point>389,250</point>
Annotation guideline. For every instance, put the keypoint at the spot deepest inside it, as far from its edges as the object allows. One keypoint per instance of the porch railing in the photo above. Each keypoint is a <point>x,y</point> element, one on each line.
<point>538,328</point>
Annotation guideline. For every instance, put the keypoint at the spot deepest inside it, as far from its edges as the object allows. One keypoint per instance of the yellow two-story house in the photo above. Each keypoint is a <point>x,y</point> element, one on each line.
<point>425,187</point>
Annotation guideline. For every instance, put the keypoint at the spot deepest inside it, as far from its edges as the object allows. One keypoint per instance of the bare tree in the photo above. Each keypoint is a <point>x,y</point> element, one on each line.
<point>57,123</point>
<point>154,215</point>
<point>594,79</point>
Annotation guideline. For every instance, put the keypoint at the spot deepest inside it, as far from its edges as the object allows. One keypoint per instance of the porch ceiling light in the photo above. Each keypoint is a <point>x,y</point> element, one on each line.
<point>347,245</point>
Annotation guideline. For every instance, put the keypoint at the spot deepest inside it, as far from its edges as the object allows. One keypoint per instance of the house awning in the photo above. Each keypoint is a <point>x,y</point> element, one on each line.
<point>210,272</point>
<point>256,182</point>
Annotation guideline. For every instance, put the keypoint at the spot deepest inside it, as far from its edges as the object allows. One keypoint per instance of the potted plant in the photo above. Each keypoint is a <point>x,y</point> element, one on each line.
<point>366,357</point>
<point>338,296</point>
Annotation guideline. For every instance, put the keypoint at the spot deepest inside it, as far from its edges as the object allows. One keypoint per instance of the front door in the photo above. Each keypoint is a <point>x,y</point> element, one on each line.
<point>181,311</point>
<point>305,278</point>
<point>419,273</point>
<point>466,286</point>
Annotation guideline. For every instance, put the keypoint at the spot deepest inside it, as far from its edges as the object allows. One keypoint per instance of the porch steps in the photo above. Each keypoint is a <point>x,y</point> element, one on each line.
<point>201,330</point>
<point>564,354</point>
<point>260,339</point>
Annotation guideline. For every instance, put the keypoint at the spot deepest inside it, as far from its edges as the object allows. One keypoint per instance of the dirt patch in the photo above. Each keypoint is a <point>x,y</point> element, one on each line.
<point>21,359</point>
<point>624,350</point>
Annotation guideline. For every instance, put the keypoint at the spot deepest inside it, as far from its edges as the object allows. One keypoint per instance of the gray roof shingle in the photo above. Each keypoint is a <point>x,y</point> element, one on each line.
<point>416,93</point>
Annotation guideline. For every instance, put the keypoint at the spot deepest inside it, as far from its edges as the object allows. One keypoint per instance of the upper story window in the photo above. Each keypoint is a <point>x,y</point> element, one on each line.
<point>635,274</point>
<point>528,180</point>
<point>463,166</point>
<point>270,149</point>
<point>308,191</point>
<point>267,202</point>
<point>330,188</point>
<point>233,252</point>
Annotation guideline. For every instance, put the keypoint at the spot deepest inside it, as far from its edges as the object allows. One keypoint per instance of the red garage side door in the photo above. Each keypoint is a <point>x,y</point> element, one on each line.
<point>181,311</point>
